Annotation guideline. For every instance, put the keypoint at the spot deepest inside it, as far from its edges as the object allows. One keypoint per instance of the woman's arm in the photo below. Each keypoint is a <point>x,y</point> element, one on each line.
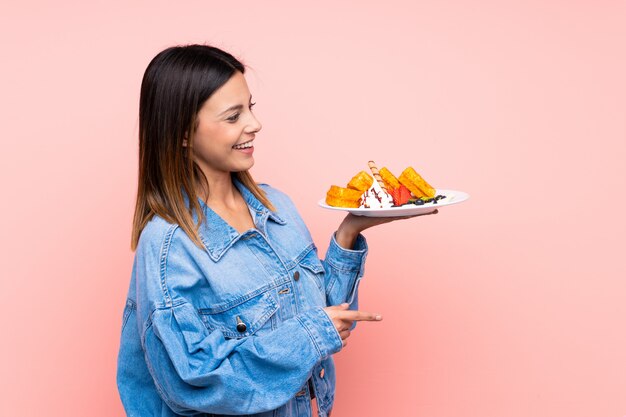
<point>345,259</point>
<point>344,268</point>
<point>200,370</point>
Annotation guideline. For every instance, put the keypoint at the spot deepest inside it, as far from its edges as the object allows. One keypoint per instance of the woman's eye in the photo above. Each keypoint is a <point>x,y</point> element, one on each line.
<point>235,117</point>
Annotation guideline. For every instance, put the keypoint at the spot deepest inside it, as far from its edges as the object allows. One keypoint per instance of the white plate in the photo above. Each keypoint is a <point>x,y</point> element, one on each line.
<point>452,197</point>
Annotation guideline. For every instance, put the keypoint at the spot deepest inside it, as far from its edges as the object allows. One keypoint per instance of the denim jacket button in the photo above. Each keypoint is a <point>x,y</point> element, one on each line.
<point>296,275</point>
<point>241,326</point>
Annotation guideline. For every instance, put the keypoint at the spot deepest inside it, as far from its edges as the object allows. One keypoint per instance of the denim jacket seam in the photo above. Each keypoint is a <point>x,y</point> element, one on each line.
<point>304,253</point>
<point>327,399</point>
<point>319,282</point>
<point>171,403</point>
<point>331,284</point>
<point>159,307</point>
<point>220,308</point>
<point>336,332</point>
<point>282,262</point>
<point>130,307</point>
<point>175,302</point>
<point>167,240</point>
<point>269,271</point>
<point>146,326</point>
<point>354,286</point>
<point>337,251</point>
<point>311,336</point>
<point>341,268</point>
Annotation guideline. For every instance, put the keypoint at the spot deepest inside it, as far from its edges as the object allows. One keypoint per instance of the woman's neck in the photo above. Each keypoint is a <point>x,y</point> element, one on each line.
<point>222,192</point>
<point>228,203</point>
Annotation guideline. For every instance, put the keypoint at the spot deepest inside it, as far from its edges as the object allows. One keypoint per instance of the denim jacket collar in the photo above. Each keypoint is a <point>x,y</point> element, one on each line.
<point>218,236</point>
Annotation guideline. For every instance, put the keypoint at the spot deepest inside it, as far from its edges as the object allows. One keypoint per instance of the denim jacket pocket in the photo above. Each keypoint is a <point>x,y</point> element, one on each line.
<point>313,264</point>
<point>243,316</point>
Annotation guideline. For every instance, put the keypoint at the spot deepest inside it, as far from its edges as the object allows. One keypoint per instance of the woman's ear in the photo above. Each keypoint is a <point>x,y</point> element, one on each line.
<point>184,143</point>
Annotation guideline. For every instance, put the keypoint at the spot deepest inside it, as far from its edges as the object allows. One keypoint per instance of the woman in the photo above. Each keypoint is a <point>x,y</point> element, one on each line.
<point>229,310</point>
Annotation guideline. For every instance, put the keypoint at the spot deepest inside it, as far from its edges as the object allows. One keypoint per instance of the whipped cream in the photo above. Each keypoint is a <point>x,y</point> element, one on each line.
<point>376,197</point>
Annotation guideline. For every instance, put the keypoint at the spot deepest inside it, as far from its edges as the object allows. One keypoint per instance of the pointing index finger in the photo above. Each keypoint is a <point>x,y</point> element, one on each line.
<point>356,315</point>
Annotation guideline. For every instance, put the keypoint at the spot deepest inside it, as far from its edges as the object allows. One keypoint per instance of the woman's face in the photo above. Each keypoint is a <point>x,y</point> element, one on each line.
<point>224,137</point>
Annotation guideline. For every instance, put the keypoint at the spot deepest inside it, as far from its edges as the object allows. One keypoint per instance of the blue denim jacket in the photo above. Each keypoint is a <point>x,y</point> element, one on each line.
<point>237,328</point>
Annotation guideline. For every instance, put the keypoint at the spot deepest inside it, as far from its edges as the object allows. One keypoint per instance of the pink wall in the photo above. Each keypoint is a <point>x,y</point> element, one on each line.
<point>511,304</point>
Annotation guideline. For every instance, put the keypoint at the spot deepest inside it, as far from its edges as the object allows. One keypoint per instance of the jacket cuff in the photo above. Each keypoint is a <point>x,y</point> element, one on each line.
<point>321,330</point>
<point>347,260</point>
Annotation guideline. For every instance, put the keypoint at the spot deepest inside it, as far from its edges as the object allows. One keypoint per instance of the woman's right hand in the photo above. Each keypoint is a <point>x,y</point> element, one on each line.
<point>343,318</point>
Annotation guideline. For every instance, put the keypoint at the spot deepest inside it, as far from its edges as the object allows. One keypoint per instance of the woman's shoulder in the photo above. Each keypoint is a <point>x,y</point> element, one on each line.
<point>155,231</point>
<point>284,205</point>
<point>276,196</point>
<point>159,236</point>
<point>271,190</point>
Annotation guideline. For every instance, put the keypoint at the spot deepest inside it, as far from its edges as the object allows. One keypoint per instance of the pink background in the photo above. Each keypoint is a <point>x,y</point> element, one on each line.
<point>511,304</point>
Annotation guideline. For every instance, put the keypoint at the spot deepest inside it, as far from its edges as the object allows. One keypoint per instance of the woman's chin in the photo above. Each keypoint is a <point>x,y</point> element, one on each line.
<point>244,166</point>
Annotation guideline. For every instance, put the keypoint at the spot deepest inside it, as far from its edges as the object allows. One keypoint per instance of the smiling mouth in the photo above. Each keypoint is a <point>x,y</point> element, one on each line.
<point>244,145</point>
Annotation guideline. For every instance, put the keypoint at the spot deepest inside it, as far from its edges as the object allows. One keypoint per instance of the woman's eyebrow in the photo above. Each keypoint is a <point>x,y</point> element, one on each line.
<point>235,107</point>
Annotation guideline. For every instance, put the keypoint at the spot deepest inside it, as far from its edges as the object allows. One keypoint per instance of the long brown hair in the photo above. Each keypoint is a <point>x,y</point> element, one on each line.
<point>175,85</point>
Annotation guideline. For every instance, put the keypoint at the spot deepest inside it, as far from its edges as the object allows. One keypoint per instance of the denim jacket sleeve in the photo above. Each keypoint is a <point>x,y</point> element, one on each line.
<point>198,369</point>
<point>344,269</point>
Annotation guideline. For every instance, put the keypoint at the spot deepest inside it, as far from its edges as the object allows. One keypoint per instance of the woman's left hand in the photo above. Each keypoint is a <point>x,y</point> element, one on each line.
<point>352,225</point>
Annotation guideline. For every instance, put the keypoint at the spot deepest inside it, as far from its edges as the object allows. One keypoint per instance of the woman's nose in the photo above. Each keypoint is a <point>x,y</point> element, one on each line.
<point>255,125</point>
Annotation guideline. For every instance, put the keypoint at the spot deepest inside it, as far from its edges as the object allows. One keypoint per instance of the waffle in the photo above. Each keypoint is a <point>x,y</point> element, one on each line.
<point>343,197</point>
<point>361,181</point>
<point>416,184</point>
<point>390,180</point>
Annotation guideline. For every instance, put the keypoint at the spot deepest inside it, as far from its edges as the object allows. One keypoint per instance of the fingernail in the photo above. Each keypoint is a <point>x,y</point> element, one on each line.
<point>379,317</point>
